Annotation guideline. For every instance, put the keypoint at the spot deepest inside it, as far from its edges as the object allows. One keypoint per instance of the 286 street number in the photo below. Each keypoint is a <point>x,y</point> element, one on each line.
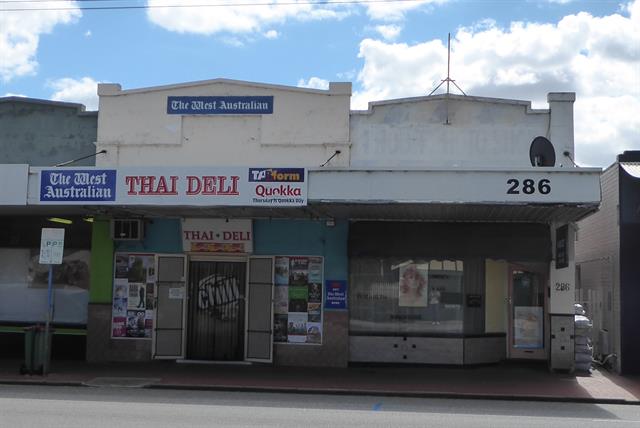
<point>528,186</point>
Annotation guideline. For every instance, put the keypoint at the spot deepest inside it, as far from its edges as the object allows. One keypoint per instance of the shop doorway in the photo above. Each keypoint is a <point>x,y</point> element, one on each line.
<point>527,314</point>
<point>216,310</point>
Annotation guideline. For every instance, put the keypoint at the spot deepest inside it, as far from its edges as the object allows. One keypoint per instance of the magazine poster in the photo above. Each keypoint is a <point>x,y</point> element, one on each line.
<point>413,285</point>
<point>315,312</point>
<point>280,328</point>
<point>121,266</point>
<point>281,300</point>
<point>136,323</point>
<point>282,271</point>
<point>297,328</point>
<point>315,270</point>
<point>315,292</point>
<point>150,296</point>
<point>298,298</point>
<point>299,271</point>
<point>314,332</point>
<point>133,299</point>
<point>119,326</point>
<point>137,296</point>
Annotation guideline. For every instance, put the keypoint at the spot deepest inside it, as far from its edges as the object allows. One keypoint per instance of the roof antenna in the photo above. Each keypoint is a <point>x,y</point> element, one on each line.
<point>448,80</point>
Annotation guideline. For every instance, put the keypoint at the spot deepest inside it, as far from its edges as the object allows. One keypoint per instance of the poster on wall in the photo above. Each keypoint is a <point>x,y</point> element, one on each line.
<point>528,327</point>
<point>413,285</point>
<point>134,280</point>
<point>298,300</point>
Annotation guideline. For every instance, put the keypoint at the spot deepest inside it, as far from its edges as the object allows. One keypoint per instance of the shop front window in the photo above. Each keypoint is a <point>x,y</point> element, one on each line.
<point>400,296</point>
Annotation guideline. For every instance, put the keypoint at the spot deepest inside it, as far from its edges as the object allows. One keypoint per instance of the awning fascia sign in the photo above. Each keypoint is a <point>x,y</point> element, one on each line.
<point>447,186</point>
<point>166,186</point>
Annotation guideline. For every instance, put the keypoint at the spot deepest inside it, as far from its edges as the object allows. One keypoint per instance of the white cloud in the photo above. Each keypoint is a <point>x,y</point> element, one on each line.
<point>397,11</point>
<point>237,19</point>
<point>314,83</point>
<point>389,32</point>
<point>271,34</point>
<point>20,33</point>
<point>88,33</point>
<point>83,91</point>
<point>597,57</point>
<point>9,94</point>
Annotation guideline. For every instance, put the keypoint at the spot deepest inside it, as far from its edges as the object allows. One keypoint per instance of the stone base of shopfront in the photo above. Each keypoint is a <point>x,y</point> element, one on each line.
<point>100,346</point>
<point>334,352</point>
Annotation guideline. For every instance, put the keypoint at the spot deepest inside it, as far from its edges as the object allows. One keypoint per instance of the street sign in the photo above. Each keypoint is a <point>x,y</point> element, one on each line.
<point>51,246</point>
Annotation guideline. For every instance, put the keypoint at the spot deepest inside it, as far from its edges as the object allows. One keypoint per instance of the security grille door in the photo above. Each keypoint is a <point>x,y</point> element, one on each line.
<point>260,310</point>
<point>216,305</point>
<point>170,295</point>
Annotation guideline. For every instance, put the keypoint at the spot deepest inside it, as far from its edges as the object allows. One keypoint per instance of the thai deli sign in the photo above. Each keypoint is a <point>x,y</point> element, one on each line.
<point>217,235</point>
<point>197,186</point>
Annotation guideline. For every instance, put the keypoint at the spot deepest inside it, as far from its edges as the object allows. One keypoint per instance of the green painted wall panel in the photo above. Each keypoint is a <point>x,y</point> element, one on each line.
<point>101,263</point>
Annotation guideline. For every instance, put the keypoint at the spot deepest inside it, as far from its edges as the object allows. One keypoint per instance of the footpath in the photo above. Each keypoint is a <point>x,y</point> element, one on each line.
<point>510,381</point>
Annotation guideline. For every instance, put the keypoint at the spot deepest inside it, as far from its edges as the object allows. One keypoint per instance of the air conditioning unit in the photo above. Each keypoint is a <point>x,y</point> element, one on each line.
<point>125,229</point>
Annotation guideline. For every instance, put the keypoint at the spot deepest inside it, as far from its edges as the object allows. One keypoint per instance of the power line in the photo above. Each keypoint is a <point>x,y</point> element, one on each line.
<point>147,6</point>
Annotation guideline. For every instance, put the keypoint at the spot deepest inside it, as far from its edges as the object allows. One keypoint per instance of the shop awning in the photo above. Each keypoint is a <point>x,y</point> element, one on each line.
<point>493,195</point>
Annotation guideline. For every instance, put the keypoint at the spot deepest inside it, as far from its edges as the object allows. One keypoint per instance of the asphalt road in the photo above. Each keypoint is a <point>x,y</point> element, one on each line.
<point>108,407</point>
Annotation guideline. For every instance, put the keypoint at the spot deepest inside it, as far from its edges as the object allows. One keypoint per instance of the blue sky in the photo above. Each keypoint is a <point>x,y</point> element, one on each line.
<point>500,48</point>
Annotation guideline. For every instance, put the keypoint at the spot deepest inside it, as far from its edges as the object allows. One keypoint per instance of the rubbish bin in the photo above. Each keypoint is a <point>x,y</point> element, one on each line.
<point>35,349</point>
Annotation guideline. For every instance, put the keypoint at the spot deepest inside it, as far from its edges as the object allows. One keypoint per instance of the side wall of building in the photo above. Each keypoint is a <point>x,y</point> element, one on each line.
<point>44,133</point>
<point>598,261</point>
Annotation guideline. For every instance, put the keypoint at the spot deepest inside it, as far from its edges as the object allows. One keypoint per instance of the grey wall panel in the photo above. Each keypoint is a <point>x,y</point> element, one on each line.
<point>512,241</point>
<point>485,350</point>
<point>425,350</point>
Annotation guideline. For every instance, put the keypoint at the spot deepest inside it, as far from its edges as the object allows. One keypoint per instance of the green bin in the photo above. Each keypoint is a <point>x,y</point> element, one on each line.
<point>35,351</point>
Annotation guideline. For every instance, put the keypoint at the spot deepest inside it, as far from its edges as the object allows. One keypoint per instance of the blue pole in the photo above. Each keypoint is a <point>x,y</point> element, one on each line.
<point>47,351</point>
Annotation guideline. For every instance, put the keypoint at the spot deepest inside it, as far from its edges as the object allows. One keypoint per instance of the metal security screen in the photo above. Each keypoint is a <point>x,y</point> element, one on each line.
<point>215,329</point>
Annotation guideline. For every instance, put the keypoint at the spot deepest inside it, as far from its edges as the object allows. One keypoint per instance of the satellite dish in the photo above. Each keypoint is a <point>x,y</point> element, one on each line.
<point>542,152</point>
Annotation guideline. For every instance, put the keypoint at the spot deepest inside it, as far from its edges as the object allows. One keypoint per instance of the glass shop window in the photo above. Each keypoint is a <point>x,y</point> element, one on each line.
<point>390,296</point>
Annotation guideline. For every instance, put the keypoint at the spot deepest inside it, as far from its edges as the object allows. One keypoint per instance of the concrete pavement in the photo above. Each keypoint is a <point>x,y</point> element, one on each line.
<point>512,381</point>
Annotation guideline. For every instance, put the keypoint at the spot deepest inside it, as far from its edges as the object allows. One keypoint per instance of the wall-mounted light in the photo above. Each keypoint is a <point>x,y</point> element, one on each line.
<point>88,219</point>
<point>330,222</point>
<point>60,220</point>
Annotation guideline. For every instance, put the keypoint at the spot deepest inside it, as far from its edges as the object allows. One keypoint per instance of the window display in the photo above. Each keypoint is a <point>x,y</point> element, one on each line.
<point>405,296</point>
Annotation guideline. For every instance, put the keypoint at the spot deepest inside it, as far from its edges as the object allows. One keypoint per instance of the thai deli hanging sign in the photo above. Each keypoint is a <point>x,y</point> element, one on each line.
<point>217,235</point>
<point>196,186</point>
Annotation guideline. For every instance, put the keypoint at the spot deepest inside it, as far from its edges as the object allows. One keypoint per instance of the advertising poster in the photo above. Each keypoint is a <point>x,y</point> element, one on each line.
<point>298,299</point>
<point>280,328</point>
<point>134,279</point>
<point>413,286</point>
<point>528,327</point>
<point>297,328</point>
<point>282,271</point>
<point>281,300</point>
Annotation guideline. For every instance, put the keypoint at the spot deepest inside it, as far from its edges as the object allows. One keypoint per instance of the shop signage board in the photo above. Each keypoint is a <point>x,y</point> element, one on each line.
<point>217,235</point>
<point>185,186</point>
<point>190,105</point>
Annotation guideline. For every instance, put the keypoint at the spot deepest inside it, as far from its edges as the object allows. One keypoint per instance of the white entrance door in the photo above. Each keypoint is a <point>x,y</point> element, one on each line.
<point>259,337</point>
<point>527,314</point>
<point>170,296</point>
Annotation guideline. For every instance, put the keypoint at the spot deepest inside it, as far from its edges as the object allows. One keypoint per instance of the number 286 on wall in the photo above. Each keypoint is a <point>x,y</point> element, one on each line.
<point>528,186</point>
